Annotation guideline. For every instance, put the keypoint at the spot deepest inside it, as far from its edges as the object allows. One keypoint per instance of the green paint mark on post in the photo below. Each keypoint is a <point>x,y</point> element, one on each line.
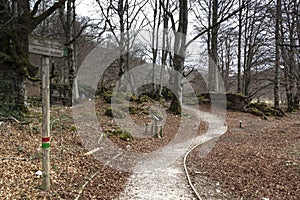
<point>45,145</point>
<point>66,51</point>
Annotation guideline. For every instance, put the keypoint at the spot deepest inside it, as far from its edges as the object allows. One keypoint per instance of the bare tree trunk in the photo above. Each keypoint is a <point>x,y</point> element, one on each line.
<point>179,57</point>
<point>239,65</point>
<point>164,44</point>
<point>122,60</point>
<point>288,44</point>
<point>154,44</point>
<point>213,82</point>
<point>68,23</point>
<point>75,91</point>
<point>277,56</point>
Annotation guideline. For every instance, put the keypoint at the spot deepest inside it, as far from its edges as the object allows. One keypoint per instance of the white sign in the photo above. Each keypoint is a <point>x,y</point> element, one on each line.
<point>41,46</point>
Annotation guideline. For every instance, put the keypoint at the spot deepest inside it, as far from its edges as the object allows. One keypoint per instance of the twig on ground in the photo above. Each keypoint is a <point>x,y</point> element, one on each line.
<point>86,183</point>
<point>12,119</point>
<point>15,158</point>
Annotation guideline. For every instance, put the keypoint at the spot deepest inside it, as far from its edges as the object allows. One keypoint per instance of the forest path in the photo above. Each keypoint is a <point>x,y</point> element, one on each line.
<point>171,182</point>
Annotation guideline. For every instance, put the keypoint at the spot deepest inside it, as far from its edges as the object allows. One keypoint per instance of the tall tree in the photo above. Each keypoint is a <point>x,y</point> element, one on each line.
<point>239,52</point>
<point>179,55</point>
<point>213,49</point>
<point>277,56</point>
<point>289,45</point>
<point>17,20</point>
<point>68,21</point>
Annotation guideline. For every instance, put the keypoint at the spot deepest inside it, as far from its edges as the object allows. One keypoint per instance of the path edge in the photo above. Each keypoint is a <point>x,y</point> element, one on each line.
<point>185,167</point>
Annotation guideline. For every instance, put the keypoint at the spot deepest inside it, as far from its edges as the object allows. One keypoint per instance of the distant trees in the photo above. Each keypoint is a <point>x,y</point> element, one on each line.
<point>242,38</point>
<point>121,21</point>
<point>245,44</point>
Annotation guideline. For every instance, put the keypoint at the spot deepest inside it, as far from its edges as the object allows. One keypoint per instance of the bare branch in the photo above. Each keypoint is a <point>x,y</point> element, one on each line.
<point>36,7</point>
<point>215,25</point>
<point>38,19</point>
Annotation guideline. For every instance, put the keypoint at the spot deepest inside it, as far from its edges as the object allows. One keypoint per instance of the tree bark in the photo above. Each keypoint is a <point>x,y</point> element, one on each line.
<point>179,57</point>
<point>277,56</point>
<point>213,78</point>
<point>214,38</point>
<point>239,65</point>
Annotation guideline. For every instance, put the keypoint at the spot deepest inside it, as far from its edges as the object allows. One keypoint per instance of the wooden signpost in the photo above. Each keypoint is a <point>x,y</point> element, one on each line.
<point>46,48</point>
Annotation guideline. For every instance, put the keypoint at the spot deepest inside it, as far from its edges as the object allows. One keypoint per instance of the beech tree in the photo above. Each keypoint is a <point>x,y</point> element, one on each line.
<point>289,46</point>
<point>179,54</point>
<point>17,20</point>
<point>277,56</point>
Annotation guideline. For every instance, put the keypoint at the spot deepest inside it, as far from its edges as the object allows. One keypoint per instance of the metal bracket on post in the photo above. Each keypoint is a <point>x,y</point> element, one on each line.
<point>149,128</point>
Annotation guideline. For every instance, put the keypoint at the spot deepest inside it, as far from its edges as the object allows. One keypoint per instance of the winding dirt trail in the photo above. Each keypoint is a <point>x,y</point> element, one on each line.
<point>171,182</point>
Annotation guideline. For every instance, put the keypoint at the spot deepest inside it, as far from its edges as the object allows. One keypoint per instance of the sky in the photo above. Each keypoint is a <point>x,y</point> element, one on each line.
<point>87,8</point>
<point>90,8</point>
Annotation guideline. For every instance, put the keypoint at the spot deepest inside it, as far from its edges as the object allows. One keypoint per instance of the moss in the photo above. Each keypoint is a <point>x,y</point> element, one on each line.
<point>266,109</point>
<point>191,101</point>
<point>126,136</point>
<point>256,112</point>
<point>110,97</point>
<point>73,128</point>
<point>114,132</point>
<point>127,96</point>
<point>202,99</point>
<point>121,134</point>
<point>144,99</point>
<point>107,96</point>
<point>114,113</point>
<point>136,110</point>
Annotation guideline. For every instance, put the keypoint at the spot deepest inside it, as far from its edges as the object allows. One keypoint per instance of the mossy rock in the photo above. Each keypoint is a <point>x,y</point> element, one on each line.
<point>122,134</point>
<point>266,109</point>
<point>133,110</point>
<point>127,96</point>
<point>191,101</point>
<point>111,97</point>
<point>236,101</point>
<point>126,136</point>
<point>107,96</point>
<point>144,99</point>
<point>114,113</point>
<point>202,99</point>
<point>211,96</point>
<point>256,112</point>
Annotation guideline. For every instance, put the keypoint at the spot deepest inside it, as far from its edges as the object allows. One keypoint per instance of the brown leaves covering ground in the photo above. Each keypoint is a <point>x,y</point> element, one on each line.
<point>259,160</point>
<point>20,158</point>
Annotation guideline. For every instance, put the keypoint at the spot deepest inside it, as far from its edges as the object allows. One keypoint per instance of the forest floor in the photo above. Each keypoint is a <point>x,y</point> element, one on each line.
<point>261,159</point>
